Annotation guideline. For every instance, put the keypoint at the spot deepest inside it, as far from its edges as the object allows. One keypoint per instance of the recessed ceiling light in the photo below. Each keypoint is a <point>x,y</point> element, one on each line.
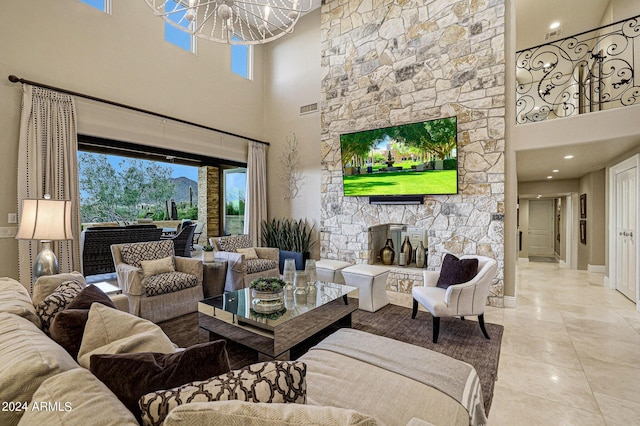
<point>549,177</point>
<point>554,25</point>
<point>555,170</point>
<point>539,196</point>
<point>568,157</point>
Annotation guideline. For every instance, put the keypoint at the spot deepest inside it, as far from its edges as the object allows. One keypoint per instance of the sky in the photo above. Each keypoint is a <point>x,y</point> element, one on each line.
<point>178,170</point>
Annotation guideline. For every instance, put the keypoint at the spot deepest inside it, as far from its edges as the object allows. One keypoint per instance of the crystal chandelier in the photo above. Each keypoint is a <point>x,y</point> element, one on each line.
<point>229,21</point>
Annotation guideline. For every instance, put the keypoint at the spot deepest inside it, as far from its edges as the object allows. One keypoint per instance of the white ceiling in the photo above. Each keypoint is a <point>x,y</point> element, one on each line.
<point>536,164</point>
<point>533,18</point>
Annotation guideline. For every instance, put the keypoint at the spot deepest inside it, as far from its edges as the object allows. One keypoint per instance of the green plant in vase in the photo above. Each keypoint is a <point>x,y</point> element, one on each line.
<point>267,294</point>
<point>207,253</point>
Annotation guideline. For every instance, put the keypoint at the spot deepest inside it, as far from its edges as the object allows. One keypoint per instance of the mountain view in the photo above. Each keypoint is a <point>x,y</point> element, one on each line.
<point>181,193</point>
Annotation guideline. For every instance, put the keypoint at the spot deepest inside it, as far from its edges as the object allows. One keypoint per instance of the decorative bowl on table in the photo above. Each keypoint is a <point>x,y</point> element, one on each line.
<point>267,294</point>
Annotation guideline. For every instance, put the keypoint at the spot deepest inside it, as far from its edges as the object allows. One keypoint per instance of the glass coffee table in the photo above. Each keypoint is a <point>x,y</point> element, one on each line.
<point>274,335</point>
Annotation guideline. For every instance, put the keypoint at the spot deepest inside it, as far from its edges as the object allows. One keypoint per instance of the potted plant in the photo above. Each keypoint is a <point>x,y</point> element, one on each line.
<point>267,293</point>
<point>293,238</point>
<point>207,253</point>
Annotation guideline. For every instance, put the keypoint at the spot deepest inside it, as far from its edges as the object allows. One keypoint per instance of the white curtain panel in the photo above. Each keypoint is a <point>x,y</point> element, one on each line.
<point>48,164</point>
<point>255,210</point>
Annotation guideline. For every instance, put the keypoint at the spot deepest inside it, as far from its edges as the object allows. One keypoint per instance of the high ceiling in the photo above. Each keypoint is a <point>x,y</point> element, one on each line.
<point>533,18</point>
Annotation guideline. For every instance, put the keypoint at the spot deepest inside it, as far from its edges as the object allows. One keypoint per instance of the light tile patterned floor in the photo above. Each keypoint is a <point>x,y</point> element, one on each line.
<point>570,351</point>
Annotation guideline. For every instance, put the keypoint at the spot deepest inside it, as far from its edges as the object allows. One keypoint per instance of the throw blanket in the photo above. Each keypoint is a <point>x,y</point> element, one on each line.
<point>455,378</point>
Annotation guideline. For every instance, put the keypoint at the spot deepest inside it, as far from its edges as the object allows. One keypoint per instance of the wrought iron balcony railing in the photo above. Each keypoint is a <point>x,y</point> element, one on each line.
<point>588,72</point>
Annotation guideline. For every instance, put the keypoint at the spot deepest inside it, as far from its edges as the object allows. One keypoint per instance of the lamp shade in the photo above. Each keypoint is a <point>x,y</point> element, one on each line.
<point>45,220</point>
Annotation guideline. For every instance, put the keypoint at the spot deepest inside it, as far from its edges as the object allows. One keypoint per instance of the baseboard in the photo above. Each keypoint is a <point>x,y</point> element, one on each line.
<point>523,259</point>
<point>562,263</point>
<point>509,301</point>
<point>607,283</point>
<point>597,269</point>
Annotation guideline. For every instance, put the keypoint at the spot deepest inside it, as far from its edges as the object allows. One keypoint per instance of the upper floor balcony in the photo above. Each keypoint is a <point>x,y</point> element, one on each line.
<point>591,71</point>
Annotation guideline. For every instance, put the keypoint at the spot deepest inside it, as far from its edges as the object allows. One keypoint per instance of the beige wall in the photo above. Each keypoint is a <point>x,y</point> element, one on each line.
<point>292,76</point>
<point>593,252</point>
<point>121,57</point>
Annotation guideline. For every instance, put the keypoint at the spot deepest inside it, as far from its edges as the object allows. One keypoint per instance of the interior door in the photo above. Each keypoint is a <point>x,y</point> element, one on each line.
<point>626,187</point>
<point>541,227</point>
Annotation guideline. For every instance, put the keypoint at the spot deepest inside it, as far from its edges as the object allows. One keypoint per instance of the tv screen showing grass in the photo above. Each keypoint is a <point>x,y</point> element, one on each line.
<point>410,159</point>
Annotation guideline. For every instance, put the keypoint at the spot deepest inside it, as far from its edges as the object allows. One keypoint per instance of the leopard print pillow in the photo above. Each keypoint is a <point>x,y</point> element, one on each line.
<point>48,308</point>
<point>277,382</point>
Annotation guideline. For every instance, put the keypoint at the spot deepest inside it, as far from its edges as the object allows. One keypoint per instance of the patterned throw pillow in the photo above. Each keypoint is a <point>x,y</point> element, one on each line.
<point>278,381</point>
<point>48,308</point>
<point>134,254</point>
<point>234,242</point>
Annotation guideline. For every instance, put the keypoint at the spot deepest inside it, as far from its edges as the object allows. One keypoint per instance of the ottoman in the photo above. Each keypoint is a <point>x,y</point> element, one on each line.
<point>331,270</point>
<point>371,281</point>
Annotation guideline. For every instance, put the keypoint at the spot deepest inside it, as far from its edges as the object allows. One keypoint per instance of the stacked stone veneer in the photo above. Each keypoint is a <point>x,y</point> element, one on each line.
<point>209,202</point>
<point>393,62</point>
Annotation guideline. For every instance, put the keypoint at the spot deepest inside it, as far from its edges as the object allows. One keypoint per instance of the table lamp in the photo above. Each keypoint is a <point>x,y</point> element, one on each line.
<point>45,220</point>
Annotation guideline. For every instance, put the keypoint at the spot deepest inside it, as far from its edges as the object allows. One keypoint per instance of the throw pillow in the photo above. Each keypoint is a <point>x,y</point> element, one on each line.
<point>48,308</point>
<point>110,331</point>
<point>68,325</point>
<point>130,376</point>
<point>46,284</point>
<point>157,266</point>
<point>456,271</point>
<point>223,413</point>
<point>133,254</point>
<point>249,253</point>
<point>278,381</point>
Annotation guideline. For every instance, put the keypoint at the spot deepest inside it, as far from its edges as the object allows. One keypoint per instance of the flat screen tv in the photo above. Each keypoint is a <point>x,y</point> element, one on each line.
<point>409,159</point>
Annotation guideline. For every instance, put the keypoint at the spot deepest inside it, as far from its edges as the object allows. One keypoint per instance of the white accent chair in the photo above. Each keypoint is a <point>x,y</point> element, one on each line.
<point>371,281</point>
<point>458,300</point>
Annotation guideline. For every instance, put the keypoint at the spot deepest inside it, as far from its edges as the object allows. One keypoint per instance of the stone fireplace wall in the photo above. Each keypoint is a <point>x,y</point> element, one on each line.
<point>393,62</point>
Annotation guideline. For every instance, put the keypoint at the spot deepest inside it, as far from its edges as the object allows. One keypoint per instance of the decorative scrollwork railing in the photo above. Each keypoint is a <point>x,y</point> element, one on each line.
<point>587,72</point>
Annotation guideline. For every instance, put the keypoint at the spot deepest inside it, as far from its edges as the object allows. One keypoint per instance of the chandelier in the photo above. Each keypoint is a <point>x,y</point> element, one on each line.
<point>229,21</point>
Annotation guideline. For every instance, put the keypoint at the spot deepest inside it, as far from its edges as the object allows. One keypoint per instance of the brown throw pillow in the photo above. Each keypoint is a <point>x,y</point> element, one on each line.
<point>456,271</point>
<point>68,325</point>
<point>130,376</point>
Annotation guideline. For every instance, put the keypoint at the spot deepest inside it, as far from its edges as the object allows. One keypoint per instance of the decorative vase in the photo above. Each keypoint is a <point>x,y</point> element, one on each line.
<point>208,256</point>
<point>407,249</point>
<point>420,252</point>
<point>387,253</point>
<point>289,270</point>
<point>266,301</point>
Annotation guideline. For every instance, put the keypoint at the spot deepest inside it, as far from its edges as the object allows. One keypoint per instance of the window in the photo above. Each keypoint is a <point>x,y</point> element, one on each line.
<point>103,5</point>
<point>241,55</point>
<point>141,189</point>
<point>175,35</point>
<point>235,186</point>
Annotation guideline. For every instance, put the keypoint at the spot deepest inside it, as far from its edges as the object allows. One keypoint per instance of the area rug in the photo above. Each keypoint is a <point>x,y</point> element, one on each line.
<point>459,339</point>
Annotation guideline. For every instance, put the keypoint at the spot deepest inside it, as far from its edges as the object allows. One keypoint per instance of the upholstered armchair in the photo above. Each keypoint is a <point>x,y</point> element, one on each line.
<point>244,262</point>
<point>443,299</point>
<point>158,284</point>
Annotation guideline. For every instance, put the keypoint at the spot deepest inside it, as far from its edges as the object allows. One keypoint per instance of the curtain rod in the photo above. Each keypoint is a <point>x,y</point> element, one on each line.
<point>14,79</point>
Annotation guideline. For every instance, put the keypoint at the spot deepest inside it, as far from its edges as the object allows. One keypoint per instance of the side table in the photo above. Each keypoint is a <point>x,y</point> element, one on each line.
<point>214,275</point>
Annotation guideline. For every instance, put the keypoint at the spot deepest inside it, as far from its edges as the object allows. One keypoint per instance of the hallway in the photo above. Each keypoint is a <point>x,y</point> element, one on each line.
<point>570,351</point>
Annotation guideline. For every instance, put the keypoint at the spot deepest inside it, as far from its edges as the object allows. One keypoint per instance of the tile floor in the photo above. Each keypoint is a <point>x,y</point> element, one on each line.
<point>570,351</point>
